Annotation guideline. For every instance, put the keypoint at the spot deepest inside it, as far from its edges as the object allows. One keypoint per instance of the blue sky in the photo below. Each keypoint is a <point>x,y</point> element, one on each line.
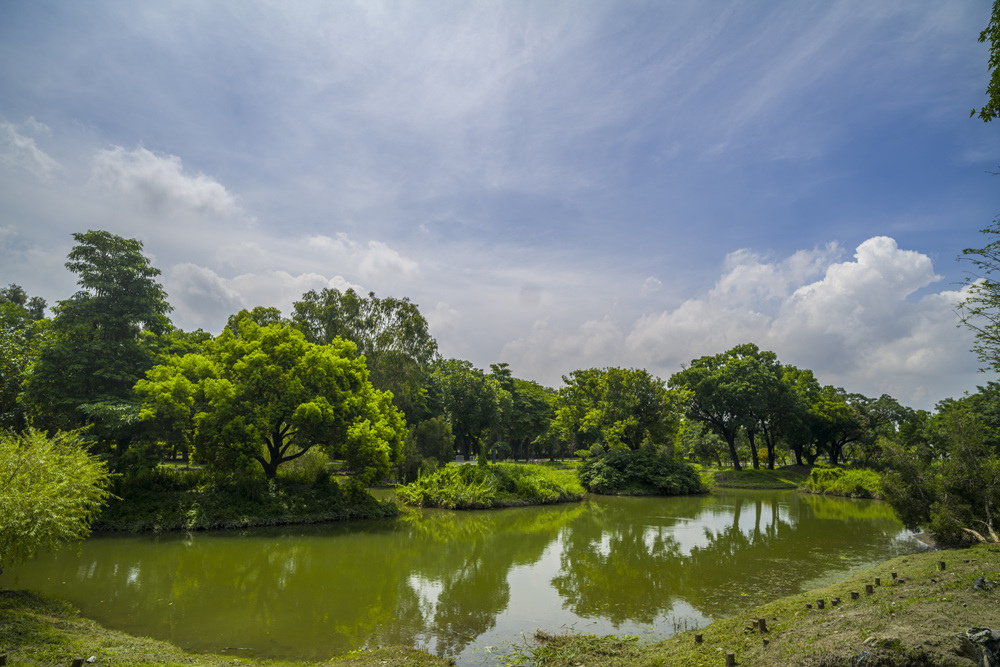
<point>558,185</point>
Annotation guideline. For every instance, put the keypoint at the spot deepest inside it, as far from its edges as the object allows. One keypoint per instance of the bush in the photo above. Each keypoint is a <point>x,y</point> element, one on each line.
<point>851,483</point>
<point>639,473</point>
<point>483,487</point>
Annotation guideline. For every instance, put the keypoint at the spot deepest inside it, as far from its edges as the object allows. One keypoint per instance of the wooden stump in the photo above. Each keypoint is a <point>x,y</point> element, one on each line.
<point>78,662</point>
<point>730,659</point>
<point>698,638</point>
<point>894,576</point>
<point>809,605</point>
<point>762,622</point>
<point>869,589</point>
<point>941,565</point>
<point>878,581</point>
<point>766,642</point>
<point>855,595</point>
<point>3,658</point>
<point>835,601</point>
<point>820,604</point>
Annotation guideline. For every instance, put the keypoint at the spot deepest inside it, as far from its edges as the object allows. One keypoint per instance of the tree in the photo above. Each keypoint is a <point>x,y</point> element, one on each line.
<point>390,333</point>
<point>50,490</point>
<point>267,395</point>
<point>616,408</point>
<point>991,34</point>
<point>22,328</point>
<point>733,392</point>
<point>473,402</point>
<point>99,343</point>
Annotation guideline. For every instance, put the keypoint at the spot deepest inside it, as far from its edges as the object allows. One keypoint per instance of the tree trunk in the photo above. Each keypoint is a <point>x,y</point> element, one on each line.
<point>731,441</point>
<point>751,436</point>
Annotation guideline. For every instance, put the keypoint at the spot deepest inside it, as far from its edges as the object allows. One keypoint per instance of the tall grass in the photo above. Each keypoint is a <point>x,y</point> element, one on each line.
<point>485,487</point>
<point>852,483</point>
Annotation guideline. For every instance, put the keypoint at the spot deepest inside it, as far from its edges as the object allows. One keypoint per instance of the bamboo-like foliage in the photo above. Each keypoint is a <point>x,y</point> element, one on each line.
<point>50,491</point>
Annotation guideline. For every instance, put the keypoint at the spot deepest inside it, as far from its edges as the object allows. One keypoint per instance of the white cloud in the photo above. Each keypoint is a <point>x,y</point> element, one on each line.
<point>20,152</point>
<point>855,323</point>
<point>203,299</point>
<point>161,183</point>
<point>381,261</point>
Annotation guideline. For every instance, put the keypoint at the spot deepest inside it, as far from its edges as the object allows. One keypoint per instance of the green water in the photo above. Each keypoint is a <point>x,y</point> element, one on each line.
<point>466,584</point>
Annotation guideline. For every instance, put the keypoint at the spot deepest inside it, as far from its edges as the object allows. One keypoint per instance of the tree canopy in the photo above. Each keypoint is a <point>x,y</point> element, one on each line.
<point>991,35</point>
<point>266,394</point>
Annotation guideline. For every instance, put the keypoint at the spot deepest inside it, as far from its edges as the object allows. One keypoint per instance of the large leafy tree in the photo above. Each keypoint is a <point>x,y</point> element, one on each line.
<point>617,408</point>
<point>22,326</point>
<point>51,490</point>
<point>732,393</point>
<point>267,395</point>
<point>99,342</point>
<point>390,333</point>
<point>531,411</point>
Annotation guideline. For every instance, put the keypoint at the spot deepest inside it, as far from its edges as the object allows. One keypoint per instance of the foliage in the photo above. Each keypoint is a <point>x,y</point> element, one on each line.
<point>163,499</point>
<point>955,492</point>
<point>22,328</point>
<point>616,408</point>
<point>696,442</point>
<point>390,333</point>
<point>473,402</point>
<point>779,478</point>
<point>50,490</point>
<point>640,472</point>
<point>525,423</point>
<point>852,483</point>
<point>483,487</point>
<point>99,343</point>
<point>980,309</point>
<point>991,34</point>
<point>265,394</point>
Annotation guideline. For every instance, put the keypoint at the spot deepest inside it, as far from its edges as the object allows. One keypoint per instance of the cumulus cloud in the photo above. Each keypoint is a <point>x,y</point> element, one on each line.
<point>160,182</point>
<point>203,299</point>
<point>18,150</point>
<point>380,261</point>
<point>855,323</point>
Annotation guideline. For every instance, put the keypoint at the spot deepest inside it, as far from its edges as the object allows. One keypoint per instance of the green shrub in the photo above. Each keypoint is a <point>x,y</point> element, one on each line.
<point>637,473</point>
<point>482,487</point>
<point>852,483</point>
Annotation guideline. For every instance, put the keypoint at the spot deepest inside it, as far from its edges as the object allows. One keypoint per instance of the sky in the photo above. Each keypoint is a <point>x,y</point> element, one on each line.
<point>557,185</point>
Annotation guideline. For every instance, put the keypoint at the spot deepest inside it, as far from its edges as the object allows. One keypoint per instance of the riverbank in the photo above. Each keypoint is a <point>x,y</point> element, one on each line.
<point>916,614</point>
<point>166,500</point>
<point>36,632</point>
<point>843,482</point>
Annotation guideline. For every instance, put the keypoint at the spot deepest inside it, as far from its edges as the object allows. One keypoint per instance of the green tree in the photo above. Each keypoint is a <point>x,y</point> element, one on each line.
<point>102,338</point>
<point>50,490</point>
<point>616,408</point>
<point>266,394</point>
<point>473,402</point>
<point>991,34</point>
<point>22,327</point>
<point>732,392</point>
<point>390,333</point>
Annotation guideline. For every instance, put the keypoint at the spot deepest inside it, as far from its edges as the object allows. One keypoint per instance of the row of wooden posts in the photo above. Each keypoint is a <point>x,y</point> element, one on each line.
<point>760,625</point>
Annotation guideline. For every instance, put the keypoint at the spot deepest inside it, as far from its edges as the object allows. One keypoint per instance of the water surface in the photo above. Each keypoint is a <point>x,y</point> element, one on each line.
<point>466,584</point>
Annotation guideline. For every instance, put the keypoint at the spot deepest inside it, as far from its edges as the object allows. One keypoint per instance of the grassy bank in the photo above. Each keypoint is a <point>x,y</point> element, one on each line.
<point>787,477</point>
<point>189,500</point>
<point>920,618</point>
<point>36,631</point>
<point>849,483</point>
<point>467,486</point>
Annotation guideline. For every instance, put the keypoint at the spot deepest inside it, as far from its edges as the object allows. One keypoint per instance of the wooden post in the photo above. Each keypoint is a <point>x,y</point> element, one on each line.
<point>766,642</point>
<point>820,604</point>
<point>854,595</point>
<point>894,576</point>
<point>730,659</point>
<point>878,581</point>
<point>941,565</point>
<point>808,605</point>
<point>869,589</point>
<point>697,638</point>
<point>762,622</point>
<point>3,658</point>
<point>835,601</point>
<point>78,662</point>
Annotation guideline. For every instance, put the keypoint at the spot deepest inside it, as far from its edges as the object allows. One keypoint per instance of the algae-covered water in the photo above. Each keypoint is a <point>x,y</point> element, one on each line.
<point>469,584</point>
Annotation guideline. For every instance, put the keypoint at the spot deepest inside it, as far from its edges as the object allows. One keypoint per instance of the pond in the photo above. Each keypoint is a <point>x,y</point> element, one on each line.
<point>468,584</point>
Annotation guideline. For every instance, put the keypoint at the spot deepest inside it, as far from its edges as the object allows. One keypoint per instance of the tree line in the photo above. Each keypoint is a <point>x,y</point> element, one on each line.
<point>360,379</point>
